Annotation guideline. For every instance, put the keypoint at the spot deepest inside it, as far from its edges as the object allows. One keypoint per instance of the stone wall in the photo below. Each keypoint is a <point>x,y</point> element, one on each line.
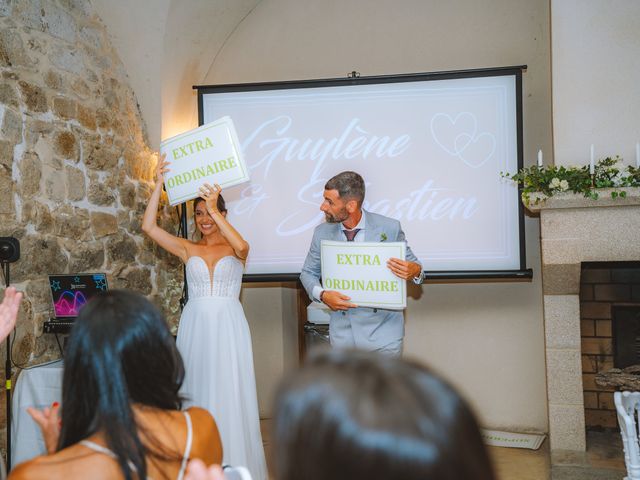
<point>75,167</point>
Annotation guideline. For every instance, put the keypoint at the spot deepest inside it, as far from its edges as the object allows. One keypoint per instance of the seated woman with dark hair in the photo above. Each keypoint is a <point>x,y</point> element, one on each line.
<point>356,415</point>
<point>121,411</point>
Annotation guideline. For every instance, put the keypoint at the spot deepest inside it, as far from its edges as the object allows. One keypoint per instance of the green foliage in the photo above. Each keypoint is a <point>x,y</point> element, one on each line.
<point>539,183</point>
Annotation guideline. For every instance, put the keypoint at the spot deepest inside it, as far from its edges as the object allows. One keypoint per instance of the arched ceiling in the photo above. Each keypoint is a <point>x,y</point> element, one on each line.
<point>167,46</point>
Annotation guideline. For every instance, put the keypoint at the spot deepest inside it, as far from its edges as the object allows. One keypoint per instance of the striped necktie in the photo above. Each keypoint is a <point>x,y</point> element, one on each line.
<point>351,234</point>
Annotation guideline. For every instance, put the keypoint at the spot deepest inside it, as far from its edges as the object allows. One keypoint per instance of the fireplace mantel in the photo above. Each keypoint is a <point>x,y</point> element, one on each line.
<point>574,200</point>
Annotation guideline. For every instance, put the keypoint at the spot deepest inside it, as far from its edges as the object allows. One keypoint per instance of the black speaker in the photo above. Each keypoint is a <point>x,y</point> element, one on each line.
<point>9,249</point>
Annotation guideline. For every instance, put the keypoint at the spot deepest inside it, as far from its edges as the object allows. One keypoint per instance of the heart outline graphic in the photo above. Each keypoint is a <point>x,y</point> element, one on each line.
<point>467,139</point>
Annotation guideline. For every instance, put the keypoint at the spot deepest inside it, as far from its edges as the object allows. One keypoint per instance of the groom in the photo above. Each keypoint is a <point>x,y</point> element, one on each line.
<point>351,326</point>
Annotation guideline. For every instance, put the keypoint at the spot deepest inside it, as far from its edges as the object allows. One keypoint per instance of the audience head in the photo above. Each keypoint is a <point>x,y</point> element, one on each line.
<point>349,185</point>
<point>120,352</point>
<point>352,415</point>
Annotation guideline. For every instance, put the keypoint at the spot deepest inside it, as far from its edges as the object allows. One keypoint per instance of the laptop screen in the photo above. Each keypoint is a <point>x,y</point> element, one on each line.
<point>70,292</point>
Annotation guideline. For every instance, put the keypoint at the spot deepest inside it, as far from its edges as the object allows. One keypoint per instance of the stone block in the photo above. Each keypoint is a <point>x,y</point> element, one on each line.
<point>603,328</point>
<point>121,249</point>
<point>69,60</point>
<point>612,293</point>
<point>40,255</point>
<point>53,80</point>
<point>30,14</point>
<point>100,194</point>
<point>561,279</point>
<point>6,194</point>
<point>81,89</point>
<point>54,185</point>
<point>99,157</point>
<point>86,256</point>
<point>65,108</point>
<point>8,95</point>
<point>86,117</point>
<point>75,180</point>
<point>30,175</point>
<point>597,346</point>
<point>103,224</point>
<point>33,97</point>
<point>39,215</point>
<point>562,321</point>
<point>11,126</point>
<point>71,222</point>
<point>12,51</point>
<point>6,7</point>
<point>6,156</point>
<point>39,293</point>
<point>564,385</point>
<point>595,310</point>
<point>136,279</point>
<point>127,193</point>
<point>59,23</point>
<point>66,146</point>
<point>566,427</point>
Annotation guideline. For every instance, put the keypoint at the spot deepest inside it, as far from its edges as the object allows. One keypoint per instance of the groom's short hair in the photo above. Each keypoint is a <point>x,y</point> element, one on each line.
<point>350,186</point>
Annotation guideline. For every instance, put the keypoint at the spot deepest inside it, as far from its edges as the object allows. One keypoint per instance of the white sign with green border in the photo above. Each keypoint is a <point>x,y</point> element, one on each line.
<point>359,270</point>
<point>207,154</point>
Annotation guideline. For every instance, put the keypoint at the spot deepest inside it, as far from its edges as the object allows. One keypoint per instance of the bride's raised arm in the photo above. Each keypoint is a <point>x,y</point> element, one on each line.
<point>210,195</point>
<point>171,243</point>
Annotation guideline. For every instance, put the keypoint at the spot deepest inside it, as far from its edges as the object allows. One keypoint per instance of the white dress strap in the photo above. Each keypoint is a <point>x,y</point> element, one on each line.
<point>187,447</point>
<point>104,450</point>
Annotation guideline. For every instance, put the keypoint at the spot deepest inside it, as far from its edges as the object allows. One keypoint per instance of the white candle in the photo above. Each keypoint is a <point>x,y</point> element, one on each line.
<point>592,166</point>
<point>637,155</point>
<point>540,158</point>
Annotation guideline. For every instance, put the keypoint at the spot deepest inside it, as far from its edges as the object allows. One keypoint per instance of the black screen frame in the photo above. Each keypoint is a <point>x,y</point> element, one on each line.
<point>521,274</point>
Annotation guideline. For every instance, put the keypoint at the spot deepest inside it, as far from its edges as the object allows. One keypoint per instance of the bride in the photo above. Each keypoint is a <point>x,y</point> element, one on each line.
<point>213,335</point>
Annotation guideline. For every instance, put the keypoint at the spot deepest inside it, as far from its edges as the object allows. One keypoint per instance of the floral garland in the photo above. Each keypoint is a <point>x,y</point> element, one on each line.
<point>539,183</point>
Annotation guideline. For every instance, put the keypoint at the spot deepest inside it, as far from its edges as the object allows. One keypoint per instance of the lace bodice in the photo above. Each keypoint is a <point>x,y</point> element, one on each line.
<point>226,282</point>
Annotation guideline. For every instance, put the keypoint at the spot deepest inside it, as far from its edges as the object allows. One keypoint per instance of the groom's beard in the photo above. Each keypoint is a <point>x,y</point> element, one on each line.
<point>341,216</point>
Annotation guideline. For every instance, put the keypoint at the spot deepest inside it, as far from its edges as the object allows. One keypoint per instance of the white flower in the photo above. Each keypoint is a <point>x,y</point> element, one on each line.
<point>564,185</point>
<point>555,183</point>
<point>536,197</point>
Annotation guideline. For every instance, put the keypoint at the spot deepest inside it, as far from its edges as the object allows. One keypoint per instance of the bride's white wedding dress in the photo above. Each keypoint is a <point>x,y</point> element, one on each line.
<point>215,344</point>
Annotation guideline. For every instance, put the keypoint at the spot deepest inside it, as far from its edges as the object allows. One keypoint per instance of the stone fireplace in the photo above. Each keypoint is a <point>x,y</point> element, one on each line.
<point>575,230</point>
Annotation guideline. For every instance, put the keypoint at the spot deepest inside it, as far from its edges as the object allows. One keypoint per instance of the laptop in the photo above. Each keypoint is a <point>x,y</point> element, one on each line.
<point>69,293</point>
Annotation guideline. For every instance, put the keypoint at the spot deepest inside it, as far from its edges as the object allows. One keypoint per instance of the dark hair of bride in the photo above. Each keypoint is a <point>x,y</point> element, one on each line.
<point>120,352</point>
<point>347,415</point>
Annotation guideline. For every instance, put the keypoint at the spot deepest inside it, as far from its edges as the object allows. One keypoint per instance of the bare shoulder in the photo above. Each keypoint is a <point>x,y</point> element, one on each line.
<point>201,417</point>
<point>206,438</point>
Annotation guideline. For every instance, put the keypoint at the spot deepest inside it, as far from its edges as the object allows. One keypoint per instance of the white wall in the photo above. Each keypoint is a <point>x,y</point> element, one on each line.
<point>596,79</point>
<point>486,338</point>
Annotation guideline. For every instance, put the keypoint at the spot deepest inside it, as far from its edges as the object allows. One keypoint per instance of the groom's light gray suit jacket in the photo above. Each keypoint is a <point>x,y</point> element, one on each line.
<point>364,328</point>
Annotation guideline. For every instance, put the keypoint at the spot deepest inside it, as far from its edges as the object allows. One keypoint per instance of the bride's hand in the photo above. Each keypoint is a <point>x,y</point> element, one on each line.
<point>210,196</point>
<point>161,168</point>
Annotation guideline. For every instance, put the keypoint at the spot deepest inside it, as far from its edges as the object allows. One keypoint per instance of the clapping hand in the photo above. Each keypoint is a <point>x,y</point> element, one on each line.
<point>9,311</point>
<point>197,470</point>
<point>49,422</point>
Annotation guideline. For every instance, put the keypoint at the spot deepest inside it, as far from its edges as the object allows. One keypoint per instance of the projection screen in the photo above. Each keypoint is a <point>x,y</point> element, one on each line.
<point>430,147</point>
